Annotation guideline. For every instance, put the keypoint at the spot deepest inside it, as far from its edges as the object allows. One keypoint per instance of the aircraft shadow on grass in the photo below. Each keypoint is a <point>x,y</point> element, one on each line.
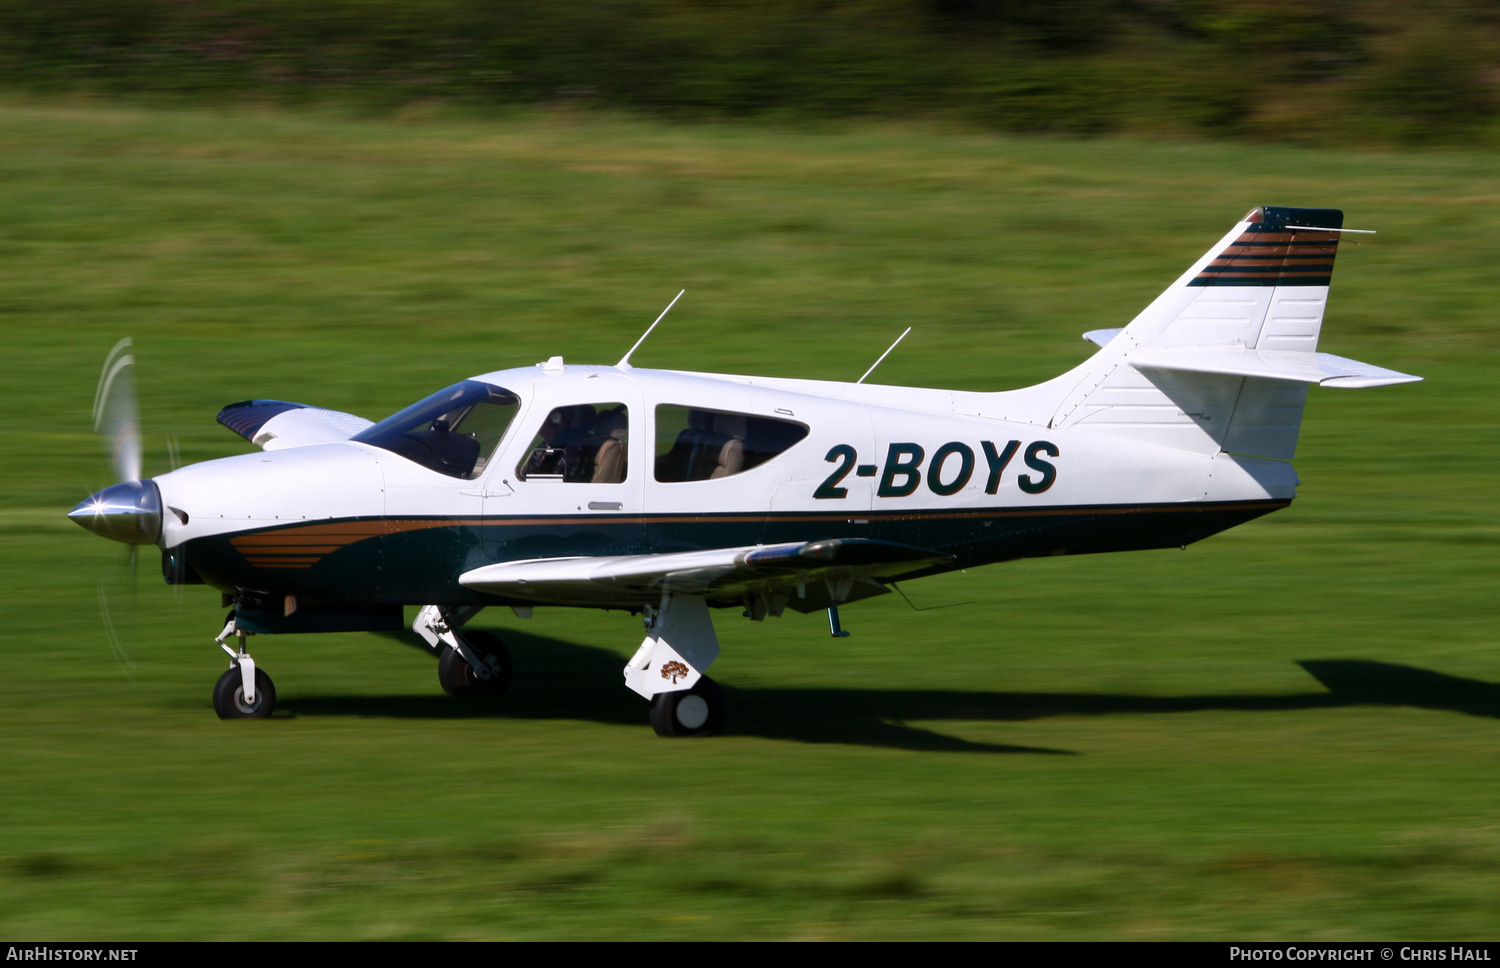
<point>557,679</point>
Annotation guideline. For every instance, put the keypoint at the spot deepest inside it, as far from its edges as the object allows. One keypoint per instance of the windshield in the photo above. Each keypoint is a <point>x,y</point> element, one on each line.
<point>454,431</point>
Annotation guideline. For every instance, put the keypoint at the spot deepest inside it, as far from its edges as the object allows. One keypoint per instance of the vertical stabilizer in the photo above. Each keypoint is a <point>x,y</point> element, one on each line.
<point>1221,360</point>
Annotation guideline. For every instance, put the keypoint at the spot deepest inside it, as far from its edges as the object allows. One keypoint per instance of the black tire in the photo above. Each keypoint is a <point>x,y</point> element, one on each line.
<point>229,695</point>
<point>699,711</point>
<point>459,678</point>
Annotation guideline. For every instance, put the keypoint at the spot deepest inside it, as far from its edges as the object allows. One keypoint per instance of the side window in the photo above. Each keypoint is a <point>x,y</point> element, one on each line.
<point>694,444</point>
<point>584,443</point>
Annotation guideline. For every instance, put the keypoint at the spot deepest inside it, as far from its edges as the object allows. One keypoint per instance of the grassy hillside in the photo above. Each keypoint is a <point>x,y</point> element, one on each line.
<point>1286,731</point>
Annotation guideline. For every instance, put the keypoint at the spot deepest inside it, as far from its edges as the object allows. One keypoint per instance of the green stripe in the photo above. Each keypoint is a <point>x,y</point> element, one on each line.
<point>422,566</point>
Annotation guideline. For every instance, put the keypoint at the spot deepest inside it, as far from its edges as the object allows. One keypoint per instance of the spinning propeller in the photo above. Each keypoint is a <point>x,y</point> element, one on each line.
<point>129,511</point>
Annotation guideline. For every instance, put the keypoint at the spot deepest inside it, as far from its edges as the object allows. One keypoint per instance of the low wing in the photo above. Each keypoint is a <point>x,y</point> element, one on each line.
<point>275,424</point>
<point>807,575</point>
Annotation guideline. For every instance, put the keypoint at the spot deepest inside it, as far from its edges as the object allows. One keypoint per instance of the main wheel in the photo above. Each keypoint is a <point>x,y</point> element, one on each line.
<point>458,677</point>
<point>229,696</point>
<point>699,711</point>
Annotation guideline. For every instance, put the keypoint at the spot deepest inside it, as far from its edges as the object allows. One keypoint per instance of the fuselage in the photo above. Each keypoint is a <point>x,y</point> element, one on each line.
<point>643,461</point>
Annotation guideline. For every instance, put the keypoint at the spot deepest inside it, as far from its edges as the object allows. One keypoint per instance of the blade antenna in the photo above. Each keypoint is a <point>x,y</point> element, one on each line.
<point>624,363</point>
<point>884,355</point>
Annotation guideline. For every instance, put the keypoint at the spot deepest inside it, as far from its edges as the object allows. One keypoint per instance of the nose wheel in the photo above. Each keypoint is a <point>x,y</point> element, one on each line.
<point>699,711</point>
<point>229,695</point>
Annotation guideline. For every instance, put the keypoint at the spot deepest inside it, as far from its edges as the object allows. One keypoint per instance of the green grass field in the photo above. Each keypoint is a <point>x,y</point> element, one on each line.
<point>1288,731</point>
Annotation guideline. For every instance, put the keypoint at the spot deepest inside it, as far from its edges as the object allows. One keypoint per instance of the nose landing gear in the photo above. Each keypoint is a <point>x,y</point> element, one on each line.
<point>230,693</point>
<point>244,692</point>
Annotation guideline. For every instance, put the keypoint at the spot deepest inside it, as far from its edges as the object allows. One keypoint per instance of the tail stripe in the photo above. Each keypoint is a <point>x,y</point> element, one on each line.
<point>1265,255</point>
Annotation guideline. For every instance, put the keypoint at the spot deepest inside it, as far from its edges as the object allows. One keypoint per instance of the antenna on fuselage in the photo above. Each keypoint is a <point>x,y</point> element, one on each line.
<point>884,355</point>
<point>624,363</point>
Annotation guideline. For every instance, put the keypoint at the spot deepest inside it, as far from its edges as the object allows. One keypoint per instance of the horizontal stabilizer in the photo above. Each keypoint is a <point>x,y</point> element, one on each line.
<point>1101,337</point>
<point>278,424</point>
<point>809,575</point>
<point>1324,369</point>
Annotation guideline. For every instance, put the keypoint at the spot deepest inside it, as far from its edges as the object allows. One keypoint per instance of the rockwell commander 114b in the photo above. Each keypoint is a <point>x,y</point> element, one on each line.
<point>669,494</point>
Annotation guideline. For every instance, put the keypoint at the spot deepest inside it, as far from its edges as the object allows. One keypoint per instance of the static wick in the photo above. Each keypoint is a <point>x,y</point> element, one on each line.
<point>1324,228</point>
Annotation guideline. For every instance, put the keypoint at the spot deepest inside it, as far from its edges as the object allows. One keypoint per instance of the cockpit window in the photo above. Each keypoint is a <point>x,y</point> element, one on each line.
<point>454,431</point>
<point>694,444</point>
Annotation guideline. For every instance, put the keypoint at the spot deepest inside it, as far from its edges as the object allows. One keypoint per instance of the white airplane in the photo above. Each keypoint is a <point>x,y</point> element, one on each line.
<point>668,494</point>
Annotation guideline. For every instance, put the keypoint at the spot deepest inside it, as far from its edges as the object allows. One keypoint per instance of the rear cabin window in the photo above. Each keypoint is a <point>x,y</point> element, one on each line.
<point>694,444</point>
<point>582,443</point>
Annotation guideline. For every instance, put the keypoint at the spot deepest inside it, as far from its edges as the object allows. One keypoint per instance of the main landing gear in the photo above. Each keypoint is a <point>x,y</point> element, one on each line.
<point>469,663</point>
<point>668,668</point>
<point>699,711</point>
<point>490,676</point>
<point>244,692</point>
